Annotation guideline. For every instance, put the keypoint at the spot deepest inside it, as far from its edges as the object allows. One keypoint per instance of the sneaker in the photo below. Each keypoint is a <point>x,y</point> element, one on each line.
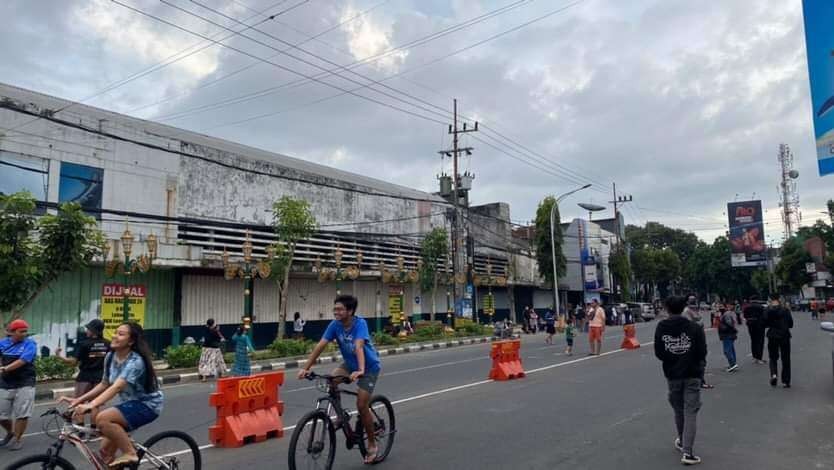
<point>678,445</point>
<point>732,368</point>
<point>786,385</point>
<point>6,439</point>
<point>773,380</point>
<point>16,445</point>
<point>689,459</point>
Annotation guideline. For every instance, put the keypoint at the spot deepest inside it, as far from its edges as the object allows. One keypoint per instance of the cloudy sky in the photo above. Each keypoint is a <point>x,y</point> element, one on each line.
<point>682,103</point>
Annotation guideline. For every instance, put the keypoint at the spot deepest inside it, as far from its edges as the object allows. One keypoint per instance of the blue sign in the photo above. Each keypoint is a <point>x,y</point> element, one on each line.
<point>819,40</point>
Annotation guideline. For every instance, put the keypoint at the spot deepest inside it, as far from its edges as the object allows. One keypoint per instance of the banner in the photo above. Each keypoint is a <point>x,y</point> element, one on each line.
<point>819,42</point>
<point>395,303</point>
<point>489,304</point>
<point>112,306</point>
<point>747,246</point>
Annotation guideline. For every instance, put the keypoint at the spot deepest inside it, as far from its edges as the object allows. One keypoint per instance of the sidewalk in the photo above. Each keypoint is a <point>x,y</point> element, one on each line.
<point>54,390</point>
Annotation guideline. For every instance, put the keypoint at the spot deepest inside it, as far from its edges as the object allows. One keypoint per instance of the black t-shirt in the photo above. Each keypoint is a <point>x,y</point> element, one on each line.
<point>90,355</point>
<point>212,338</point>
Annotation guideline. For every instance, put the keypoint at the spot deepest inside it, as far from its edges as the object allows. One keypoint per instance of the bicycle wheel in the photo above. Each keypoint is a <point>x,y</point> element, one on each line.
<point>43,461</point>
<point>385,428</point>
<point>313,442</point>
<point>170,450</point>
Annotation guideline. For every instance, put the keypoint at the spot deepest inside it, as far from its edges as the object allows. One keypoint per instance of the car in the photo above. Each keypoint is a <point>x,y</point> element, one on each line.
<point>642,310</point>
<point>829,327</point>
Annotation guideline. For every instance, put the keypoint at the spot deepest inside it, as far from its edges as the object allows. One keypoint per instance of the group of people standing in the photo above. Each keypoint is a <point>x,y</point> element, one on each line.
<point>591,320</point>
<point>680,344</point>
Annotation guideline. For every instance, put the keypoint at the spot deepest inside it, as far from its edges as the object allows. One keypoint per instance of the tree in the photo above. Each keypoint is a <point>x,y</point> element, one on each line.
<point>543,243</point>
<point>621,269</point>
<point>293,221</point>
<point>791,268</point>
<point>35,251</point>
<point>434,248</point>
<point>760,281</point>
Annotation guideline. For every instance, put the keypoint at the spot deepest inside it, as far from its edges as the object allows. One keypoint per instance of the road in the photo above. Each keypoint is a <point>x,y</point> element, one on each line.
<point>606,412</point>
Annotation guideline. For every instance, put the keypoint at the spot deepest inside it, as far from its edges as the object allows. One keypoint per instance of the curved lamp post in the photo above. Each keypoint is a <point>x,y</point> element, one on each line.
<point>127,265</point>
<point>248,270</point>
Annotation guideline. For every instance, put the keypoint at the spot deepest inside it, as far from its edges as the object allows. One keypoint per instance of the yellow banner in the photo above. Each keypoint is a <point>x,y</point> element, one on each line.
<point>112,306</point>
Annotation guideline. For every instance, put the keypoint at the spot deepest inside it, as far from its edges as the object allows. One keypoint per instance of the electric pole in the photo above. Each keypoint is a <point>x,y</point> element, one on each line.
<point>618,201</point>
<point>461,184</point>
<point>791,216</point>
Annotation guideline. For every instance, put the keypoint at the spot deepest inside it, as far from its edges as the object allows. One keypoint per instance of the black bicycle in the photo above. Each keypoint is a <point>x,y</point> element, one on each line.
<point>313,442</point>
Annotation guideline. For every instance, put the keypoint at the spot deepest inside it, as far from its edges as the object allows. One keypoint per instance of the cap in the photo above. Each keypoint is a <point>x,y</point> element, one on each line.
<point>95,325</point>
<point>17,325</point>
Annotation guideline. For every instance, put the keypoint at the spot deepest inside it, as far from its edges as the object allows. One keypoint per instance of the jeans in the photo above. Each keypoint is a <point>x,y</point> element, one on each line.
<point>730,350</point>
<point>685,398</point>
<point>776,348</point>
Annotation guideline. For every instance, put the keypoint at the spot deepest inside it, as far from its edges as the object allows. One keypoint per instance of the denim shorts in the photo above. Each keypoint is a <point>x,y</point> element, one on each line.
<point>367,382</point>
<point>136,413</point>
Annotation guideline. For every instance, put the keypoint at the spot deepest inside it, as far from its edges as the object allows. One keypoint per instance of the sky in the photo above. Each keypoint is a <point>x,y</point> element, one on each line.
<point>682,104</point>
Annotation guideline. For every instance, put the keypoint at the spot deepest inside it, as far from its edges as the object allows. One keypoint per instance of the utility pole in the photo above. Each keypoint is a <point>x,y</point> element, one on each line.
<point>618,201</point>
<point>458,187</point>
<point>787,192</point>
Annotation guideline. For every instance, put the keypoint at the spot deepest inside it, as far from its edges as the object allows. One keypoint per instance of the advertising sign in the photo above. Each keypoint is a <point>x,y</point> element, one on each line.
<point>112,306</point>
<point>747,246</point>
<point>395,303</point>
<point>590,276</point>
<point>819,16</point>
<point>489,304</point>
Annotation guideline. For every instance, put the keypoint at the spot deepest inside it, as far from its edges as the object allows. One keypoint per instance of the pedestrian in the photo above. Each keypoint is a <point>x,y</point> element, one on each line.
<point>579,316</point>
<point>298,326</point>
<point>17,382</point>
<point>682,347</point>
<point>526,325</point>
<point>588,313</point>
<point>728,333</point>
<point>534,321</point>
<point>692,313</point>
<point>779,322</point>
<point>597,320</point>
<point>754,315</point>
<point>89,357</point>
<point>569,333</point>
<point>243,347</point>
<point>550,326</point>
<point>211,355</point>
<point>814,314</point>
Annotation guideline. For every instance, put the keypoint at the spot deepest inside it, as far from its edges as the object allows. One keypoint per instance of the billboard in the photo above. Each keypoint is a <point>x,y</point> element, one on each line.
<point>112,306</point>
<point>819,16</point>
<point>747,246</point>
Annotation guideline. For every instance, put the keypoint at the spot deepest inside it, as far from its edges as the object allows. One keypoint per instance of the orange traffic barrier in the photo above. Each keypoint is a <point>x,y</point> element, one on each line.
<point>248,409</point>
<point>506,360</point>
<point>630,340</point>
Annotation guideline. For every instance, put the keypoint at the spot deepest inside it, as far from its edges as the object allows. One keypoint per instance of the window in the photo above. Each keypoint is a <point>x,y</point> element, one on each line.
<point>23,173</point>
<point>81,184</point>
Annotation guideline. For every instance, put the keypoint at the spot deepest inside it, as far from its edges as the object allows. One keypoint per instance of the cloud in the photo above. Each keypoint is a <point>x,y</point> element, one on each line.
<point>368,37</point>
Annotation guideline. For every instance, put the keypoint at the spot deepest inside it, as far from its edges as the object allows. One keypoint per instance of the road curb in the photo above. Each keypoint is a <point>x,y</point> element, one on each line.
<point>188,377</point>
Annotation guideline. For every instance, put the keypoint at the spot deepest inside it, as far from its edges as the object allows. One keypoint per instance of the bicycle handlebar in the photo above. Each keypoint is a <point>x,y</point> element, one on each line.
<point>335,379</point>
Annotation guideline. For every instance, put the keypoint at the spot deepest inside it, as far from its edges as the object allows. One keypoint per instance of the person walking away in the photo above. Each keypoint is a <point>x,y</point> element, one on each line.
<point>243,347</point>
<point>597,320</point>
<point>569,333</point>
<point>779,324</point>
<point>754,317</point>
<point>550,326</point>
<point>298,326</point>
<point>579,316</point>
<point>682,348</point>
<point>211,355</point>
<point>17,382</point>
<point>89,357</point>
<point>526,325</point>
<point>692,313</point>
<point>534,321</point>
<point>814,313</point>
<point>361,360</point>
<point>129,373</point>
<point>728,333</point>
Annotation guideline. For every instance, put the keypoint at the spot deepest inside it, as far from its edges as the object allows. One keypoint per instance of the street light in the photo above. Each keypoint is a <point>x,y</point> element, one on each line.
<point>553,245</point>
<point>248,270</point>
<point>127,265</point>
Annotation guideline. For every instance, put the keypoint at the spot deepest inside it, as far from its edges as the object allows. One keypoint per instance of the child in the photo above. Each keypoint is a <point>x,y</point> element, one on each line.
<point>569,337</point>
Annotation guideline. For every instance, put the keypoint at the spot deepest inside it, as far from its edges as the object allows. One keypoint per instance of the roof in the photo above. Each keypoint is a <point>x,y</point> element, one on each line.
<point>146,127</point>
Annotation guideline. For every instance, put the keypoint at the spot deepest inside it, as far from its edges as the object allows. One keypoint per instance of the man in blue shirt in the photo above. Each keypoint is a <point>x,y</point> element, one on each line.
<point>361,361</point>
<point>17,382</point>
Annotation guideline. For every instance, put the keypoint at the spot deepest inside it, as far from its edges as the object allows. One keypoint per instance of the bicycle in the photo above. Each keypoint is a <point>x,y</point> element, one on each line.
<point>319,446</point>
<point>168,450</point>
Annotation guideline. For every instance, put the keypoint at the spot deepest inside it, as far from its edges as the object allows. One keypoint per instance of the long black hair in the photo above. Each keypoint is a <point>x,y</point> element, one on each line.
<point>140,346</point>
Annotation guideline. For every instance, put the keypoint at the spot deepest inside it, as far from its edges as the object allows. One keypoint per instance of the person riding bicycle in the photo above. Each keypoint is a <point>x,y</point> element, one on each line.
<point>128,373</point>
<point>361,361</point>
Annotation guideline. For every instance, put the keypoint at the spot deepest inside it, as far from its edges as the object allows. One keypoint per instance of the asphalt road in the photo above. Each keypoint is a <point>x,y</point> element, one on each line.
<point>606,412</point>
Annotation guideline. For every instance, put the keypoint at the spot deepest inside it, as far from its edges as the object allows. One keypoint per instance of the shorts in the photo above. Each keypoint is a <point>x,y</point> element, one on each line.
<point>596,334</point>
<point>551,330</point>
<point>569,341</point>
<point>136,413</point>
<point>16,403</point>
<point>367,382</point>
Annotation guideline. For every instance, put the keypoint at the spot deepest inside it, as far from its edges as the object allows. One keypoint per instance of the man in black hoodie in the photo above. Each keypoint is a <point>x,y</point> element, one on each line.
<point>754,315</point>
<point>779,322</point>
<point>682,346</point>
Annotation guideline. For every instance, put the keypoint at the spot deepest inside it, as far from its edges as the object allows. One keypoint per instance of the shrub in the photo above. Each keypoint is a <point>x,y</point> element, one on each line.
<point>384,339</point>
<point>52,367</point>
<point>290,347</point>
<point>429,332</point>
<point>473,329</point>
<point>187,355</point>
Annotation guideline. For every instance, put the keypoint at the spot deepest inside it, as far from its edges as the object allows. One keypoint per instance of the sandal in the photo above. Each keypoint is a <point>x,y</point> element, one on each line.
<point>370,457</point>
<point>124,461</point>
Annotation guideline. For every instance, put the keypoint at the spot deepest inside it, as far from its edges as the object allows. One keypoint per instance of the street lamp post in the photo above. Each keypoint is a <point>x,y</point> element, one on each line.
<point>248,270</point>
<point>128,265</point>
<point>553,245</point>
